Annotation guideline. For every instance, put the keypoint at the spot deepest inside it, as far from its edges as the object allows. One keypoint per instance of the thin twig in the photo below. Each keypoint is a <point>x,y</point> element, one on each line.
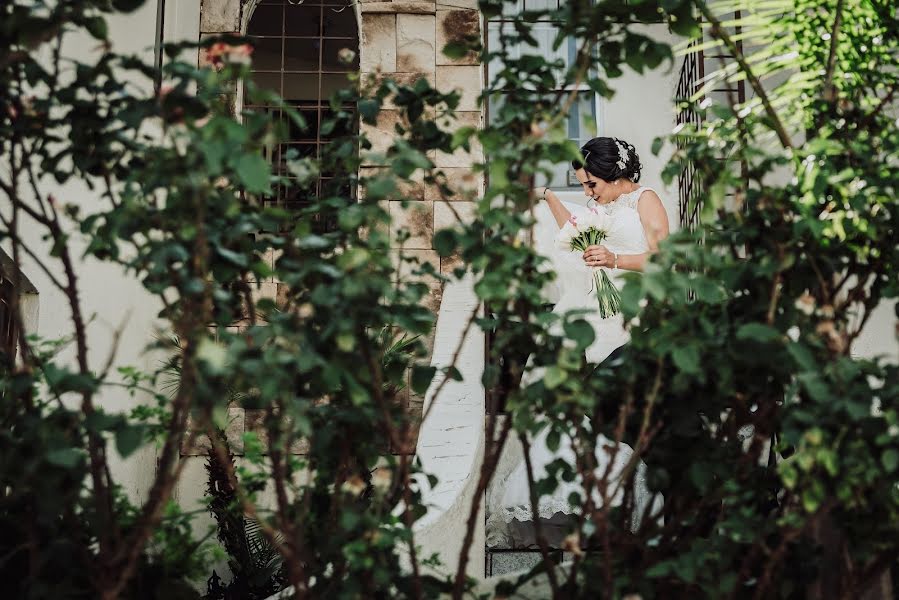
<point>535,516</point>
<point>828,89</point>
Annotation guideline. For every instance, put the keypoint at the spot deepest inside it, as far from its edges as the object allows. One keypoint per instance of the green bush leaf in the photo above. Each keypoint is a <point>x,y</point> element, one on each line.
<point>445,242</point>
<point>554,377</point>
<point>580,331</point>
<point>890,460</point>
<point>758,332</point>
<point>421,378</point>
<point>686,358</point>
<point>254,172</point>
<point>128,439</point>
<point>65,457</point>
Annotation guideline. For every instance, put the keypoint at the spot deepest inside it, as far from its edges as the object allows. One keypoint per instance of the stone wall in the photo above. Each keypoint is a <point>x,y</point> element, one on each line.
<point>404,40</point>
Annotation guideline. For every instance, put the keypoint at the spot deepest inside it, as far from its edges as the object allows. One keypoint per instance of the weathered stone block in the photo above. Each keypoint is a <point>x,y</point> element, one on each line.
<point>415,43</point>
<point>412,189</point>
<point>267,290</point>
<point>431,300</point>
<point>378,51</point>
<point>463,182</point>
<point>449,263</point>
<point>461,158</point>
<point>451,214</point>
<point>469,4</point>
<point>416,218</point>
<point>407,262</point>
<point>465,79</point>
<point>220,16</point>
<point>408,7</point>
<point>372,81</point>
<point>457,26</point>
<point>381,135</point>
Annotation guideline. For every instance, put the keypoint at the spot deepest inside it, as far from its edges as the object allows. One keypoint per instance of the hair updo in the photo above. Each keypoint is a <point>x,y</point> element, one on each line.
<point>603,157</point>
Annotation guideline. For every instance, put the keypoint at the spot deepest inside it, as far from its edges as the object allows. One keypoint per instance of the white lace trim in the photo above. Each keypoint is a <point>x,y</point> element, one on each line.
<point>629,200</point>
<point>546,508</point>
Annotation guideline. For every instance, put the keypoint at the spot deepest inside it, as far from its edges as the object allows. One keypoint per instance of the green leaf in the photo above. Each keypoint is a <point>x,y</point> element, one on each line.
<point>62,380</point>
<point>253,172</point>
<point>890,460</point>
<point>758,332</point>
<point>553,440</point>
<point>445,242</point>
<point>346,341</point>
<point>128,439</point>
<point>127,6</point>
<point>802,355</point>
<point>813,496</point>
<point>686,358</point>
<point>554,377</point>
<point>788,475</point>
<point>96,26</point>
<point>353,258</point>
<point>828,458</point>
<point>453,373</point>
<point>421,378</point>
<point>815,385</point>
<point>213,354</point>
<point>100,421</point>
<point>456,50</point>
<point>580,331</point>
<point>653,285</point>
<point>368,109</point>
<point>65,457</point>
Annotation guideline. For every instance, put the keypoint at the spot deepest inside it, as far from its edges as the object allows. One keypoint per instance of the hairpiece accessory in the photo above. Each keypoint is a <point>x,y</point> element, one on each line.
<point>622,155</point>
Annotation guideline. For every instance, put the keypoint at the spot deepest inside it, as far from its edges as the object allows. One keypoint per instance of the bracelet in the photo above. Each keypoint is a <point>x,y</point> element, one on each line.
<point>616,260</point>
<point>543,195</point>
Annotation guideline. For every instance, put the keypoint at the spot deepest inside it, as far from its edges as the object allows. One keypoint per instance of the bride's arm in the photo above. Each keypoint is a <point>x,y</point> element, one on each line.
<point>560,213</point>
<point>655,225</point>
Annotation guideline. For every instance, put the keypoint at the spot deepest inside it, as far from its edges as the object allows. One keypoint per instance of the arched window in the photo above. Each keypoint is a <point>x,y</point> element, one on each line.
<point>301,53</point>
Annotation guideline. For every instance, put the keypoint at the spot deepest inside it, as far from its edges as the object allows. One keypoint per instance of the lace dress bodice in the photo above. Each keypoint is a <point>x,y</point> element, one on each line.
<point>626,236</point>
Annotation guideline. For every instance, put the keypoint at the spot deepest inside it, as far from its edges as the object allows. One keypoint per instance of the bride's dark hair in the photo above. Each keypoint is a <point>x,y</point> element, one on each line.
<point>603,157</point>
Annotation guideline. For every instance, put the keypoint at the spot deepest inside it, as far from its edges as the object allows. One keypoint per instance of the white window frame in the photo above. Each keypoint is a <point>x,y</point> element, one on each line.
<point>598,106</point>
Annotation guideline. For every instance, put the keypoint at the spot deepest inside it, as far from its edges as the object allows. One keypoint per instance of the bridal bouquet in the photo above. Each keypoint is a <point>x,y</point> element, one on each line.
<point>579,234</point>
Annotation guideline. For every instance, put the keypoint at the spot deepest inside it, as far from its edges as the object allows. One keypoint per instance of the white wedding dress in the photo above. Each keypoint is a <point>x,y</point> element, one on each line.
<point>508,501</point>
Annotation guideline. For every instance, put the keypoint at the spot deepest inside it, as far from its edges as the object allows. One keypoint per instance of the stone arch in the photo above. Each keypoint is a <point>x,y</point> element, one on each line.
<point>15,288</point>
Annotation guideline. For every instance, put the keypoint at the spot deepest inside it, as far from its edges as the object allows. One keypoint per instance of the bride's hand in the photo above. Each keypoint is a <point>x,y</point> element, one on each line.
<point>599,256</point>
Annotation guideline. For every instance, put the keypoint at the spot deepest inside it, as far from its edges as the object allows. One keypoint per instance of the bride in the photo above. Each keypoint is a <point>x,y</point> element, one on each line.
<point>609,174</point>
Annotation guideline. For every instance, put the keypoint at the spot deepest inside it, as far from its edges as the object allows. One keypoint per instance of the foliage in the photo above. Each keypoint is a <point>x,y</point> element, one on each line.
<point>773,446</point>
<point>256,565</point>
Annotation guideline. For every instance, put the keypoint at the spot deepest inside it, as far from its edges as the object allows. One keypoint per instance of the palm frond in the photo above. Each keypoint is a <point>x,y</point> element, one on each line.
<point>793,51</point>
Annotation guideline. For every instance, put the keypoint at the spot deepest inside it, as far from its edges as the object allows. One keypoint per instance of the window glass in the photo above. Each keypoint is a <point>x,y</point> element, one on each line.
<point>297,54</point>
<point>582,120</point>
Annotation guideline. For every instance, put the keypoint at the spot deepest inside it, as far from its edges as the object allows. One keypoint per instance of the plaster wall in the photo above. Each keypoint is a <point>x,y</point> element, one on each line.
<point>111,300</point>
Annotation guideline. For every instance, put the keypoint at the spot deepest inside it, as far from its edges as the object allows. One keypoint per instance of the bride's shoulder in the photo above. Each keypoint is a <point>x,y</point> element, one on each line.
<point>645,197</point>
<point>650,206</point>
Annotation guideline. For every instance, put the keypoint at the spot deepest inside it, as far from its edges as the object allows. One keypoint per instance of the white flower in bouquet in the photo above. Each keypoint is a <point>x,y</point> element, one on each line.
<point>578,234</point>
